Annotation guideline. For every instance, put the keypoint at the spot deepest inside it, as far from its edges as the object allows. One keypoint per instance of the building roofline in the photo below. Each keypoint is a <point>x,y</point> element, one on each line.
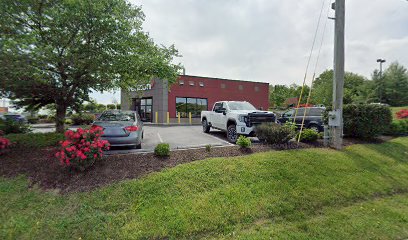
<point>215,78</point>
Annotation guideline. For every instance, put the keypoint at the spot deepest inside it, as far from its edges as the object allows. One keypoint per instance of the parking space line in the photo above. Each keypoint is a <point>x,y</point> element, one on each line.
<point>217,138</point>
<point>161,140</point>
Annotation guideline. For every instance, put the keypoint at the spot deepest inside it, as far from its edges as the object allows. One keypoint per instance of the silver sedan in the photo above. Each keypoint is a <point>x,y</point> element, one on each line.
<point>121,128</point>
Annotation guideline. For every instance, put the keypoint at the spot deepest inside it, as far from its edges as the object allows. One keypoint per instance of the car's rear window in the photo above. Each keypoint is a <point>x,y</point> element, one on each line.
<point>117,116</point>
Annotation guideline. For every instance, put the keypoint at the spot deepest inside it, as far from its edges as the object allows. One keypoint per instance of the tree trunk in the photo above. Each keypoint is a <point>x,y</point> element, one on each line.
<point>60,118</point>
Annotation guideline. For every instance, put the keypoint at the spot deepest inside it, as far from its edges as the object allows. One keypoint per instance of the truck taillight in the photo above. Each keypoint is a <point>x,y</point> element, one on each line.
<point>131,128</point>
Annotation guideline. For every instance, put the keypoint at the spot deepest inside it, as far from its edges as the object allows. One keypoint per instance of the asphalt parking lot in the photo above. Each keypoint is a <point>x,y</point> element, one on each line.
<point>178,137</point>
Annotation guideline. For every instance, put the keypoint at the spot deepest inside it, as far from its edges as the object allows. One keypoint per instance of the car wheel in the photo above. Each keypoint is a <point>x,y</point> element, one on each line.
<point>314,128</point>
<point>232,134</point>
<point>139,146</point>
<point>206,128</point>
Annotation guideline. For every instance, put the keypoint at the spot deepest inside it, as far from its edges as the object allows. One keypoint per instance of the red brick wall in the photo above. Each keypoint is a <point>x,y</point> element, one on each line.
<point>213,92</point>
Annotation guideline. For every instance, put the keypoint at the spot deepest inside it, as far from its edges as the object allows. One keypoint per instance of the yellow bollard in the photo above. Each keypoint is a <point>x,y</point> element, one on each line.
<point>189,117</point>
<point>157,117</point>
<point>168,118</point>
<point>178,116</point>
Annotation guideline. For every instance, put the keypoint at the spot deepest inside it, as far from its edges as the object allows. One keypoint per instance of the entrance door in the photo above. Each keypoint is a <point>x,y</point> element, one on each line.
<point>144,106</point>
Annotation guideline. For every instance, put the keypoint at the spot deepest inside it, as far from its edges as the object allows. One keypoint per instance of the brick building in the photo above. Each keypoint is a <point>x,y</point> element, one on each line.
<point>191,94</point>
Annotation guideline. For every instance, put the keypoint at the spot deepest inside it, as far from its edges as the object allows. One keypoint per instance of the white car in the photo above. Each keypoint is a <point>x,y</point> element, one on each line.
<point>235,118</point>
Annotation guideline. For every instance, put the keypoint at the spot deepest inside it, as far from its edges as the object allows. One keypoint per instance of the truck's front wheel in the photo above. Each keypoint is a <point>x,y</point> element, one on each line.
<point>206,127</point>
<point>232,134</point>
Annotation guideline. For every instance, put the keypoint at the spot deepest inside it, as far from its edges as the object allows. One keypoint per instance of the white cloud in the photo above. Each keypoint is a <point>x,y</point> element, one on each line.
<point>270,40</point>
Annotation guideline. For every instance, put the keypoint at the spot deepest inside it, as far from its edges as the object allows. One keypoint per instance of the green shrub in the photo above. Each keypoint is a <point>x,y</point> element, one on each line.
<point>42,116</point>
<point>32,120</point>
<point>14,127</point>
<point>82,119</point>
<point>162,150</point>
<point>68,121</point>
<point>208,147</point>
<point>398,128</point>
<point>244,142</point>
<point>291,125</point>
<point>35,140</point>
<point>308,135</point>
<point>274,133</point>
<point>46,120</point>
<point>366,120</point>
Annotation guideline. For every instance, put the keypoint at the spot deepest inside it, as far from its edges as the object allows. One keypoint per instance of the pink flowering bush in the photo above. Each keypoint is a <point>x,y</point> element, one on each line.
<point>402,114</point>
<point>4,144</point>
<point>81,148</point>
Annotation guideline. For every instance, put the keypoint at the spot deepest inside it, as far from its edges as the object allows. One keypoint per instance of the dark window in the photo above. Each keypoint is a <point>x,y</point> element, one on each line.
<point>194,105</point>
<point>289,113</point>
<point>217,106</point>
<point>224,106</point>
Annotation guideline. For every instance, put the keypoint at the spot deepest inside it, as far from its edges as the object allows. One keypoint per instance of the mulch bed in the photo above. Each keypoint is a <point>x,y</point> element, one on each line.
<point>42,169</point>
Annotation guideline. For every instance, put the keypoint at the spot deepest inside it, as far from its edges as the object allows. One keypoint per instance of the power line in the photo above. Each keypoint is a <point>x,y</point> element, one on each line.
<point>310,56</point>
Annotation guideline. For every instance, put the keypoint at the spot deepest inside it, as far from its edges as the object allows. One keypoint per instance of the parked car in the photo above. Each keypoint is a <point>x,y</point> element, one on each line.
<point>313,117</point>
<point>14,117</point>
<point>121,128</point>
<point>235,118</point>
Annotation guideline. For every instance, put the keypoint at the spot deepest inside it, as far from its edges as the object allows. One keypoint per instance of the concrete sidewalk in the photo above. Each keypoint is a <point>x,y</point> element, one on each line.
<point>43,125</point>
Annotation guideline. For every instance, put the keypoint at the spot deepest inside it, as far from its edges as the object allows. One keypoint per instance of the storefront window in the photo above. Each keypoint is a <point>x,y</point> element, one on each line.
<point>193,105</point>
<point>144,107</point>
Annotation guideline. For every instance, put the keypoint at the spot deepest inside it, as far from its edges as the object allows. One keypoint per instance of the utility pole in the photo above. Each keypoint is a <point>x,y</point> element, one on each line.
<point>336,116</point>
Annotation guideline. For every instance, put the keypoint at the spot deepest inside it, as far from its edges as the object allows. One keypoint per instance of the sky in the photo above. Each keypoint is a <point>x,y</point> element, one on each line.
<point>270,40</point>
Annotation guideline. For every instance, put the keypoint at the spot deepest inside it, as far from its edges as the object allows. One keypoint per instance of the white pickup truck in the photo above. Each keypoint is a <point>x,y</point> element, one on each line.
<point>235,118</point>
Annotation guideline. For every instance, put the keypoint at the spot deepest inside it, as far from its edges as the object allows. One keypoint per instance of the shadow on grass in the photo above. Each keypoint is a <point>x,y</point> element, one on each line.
<point>394,150</point>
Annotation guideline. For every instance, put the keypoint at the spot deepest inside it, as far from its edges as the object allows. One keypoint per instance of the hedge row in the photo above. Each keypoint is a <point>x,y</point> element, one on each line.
<point>364,120</point>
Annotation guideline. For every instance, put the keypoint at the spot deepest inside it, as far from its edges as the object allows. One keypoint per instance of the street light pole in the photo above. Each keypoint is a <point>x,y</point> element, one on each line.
<point>381,61</point>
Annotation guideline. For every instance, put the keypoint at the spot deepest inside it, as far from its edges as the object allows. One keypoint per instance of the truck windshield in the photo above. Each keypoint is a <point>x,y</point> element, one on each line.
<point>240,106</point>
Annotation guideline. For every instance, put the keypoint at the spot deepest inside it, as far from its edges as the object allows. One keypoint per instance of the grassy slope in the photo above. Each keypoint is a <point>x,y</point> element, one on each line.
<point>315,193</point>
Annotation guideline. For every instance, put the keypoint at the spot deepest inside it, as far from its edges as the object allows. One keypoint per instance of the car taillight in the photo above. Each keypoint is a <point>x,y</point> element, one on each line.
<point>131,128</point>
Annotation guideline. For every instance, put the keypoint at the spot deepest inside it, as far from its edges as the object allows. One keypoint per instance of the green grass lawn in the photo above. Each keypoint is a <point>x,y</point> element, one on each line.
<point>358,193</point>
<point>35,140</point>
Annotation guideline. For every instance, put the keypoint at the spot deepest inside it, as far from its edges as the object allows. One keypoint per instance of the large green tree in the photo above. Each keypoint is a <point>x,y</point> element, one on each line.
<point>278,94</point>
<point>354,88</point>
<point>394,85</point>
<point>58,51</point>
